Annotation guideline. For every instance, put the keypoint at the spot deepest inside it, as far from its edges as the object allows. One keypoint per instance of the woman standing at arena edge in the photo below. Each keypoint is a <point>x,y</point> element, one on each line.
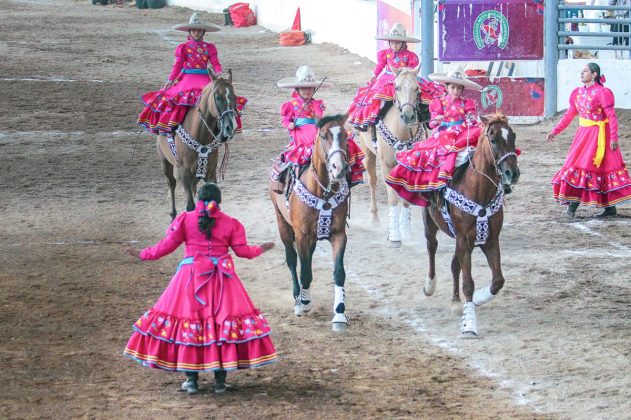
<point>594,173</point>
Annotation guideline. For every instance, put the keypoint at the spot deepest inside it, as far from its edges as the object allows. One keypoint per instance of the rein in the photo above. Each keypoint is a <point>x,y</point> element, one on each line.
<point>496,162</point>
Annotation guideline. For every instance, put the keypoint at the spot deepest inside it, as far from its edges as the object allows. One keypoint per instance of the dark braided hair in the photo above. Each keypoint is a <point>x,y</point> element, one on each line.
<point>209,192</point>
<point>595,68</point>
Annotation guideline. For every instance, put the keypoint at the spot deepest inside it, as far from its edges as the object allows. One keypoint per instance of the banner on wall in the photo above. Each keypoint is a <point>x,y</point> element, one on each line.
<point>516,97</point>
<point>390,12</point>
<point>490,30</point>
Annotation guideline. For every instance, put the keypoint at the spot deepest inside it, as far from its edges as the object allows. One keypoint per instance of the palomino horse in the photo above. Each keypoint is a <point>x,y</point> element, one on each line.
<point>471,209</point>
<point>317,209</point>
<point>194,153</point>
<point>399,129</point>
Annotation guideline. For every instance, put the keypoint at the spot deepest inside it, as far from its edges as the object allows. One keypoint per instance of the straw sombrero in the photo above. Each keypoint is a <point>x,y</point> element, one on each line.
<point>456,77</point>
<point>196,22</point>
<point>305,78</point>
<point>397,33</point>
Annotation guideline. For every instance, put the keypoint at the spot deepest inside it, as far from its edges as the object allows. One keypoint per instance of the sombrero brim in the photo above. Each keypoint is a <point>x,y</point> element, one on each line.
<point>290,82</point>
<point>442,78</point>
<point>208,27</point>
<point>397,38</point>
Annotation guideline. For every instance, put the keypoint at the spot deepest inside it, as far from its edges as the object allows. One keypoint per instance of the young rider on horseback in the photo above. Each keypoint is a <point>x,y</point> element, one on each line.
<point>166,109</point>
<point>364,110</point>
<point>429,165</point>
<point>299,117</point>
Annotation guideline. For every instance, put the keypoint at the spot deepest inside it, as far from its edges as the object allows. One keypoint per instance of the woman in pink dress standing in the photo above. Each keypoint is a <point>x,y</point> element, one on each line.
<point>166,109</point>
<point>594,173</point>
<point>204,320</point>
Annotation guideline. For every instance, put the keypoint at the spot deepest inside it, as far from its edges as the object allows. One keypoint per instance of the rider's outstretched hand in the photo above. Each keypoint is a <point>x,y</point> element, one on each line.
<point>550,136</point>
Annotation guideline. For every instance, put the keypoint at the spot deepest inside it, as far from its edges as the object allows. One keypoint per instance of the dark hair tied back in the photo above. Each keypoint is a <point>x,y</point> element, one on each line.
<point>209,192</point>
<point>595,68</point>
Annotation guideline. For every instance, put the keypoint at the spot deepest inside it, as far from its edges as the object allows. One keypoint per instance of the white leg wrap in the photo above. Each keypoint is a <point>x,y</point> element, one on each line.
<point>469,327</point>
<point>405,221</point>
<point>430,286</point>
<point>393,226</point>
<point>482,296</point>
<point>339,299</point>
<point>303,302</point>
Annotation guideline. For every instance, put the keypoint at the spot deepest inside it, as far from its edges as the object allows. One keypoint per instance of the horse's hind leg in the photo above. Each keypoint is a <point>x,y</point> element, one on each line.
<point>167,168</point>
<point>338,244</point>
<point>492,252</point>
<point>405,220</point>
<point>455,272</point>
<point>305,248</point>
<point>431,229</point>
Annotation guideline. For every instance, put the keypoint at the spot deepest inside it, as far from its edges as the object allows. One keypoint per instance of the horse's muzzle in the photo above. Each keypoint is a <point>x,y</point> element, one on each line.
<point>510,175</point>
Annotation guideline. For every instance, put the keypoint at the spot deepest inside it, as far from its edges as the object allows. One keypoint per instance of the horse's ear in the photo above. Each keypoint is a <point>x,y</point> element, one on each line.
<point>484,119</point>
<point>417,69</point>
<point>229,73</point>
<point>212,74</point>
<point>397,70</point>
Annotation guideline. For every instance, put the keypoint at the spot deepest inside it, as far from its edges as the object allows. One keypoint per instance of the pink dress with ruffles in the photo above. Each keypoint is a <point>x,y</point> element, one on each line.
<point>302,137</point>
<point>204,320</point>
<point>580,180</point>
<point>368,101</point>
<point>429,165</point>
<point>166,109</point>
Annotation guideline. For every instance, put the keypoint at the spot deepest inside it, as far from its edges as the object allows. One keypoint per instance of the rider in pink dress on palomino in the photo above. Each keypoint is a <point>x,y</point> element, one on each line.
<point>166,109</point>
<point>594,173</point>
<point>429,165</point>
<point>299,117</point>
<point>364,110</point>
<point>204,320</point>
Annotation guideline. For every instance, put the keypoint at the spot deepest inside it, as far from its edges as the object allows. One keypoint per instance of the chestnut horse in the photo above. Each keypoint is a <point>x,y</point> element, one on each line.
<point>316,209</point>
<point>402,128</point>
<point>194,153</point>
<point>471,209</point>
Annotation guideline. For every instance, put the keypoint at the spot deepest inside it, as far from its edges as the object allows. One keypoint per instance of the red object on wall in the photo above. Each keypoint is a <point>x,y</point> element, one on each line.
<point>297,26</point>
<point>292,38</point>
<point>242,15</point>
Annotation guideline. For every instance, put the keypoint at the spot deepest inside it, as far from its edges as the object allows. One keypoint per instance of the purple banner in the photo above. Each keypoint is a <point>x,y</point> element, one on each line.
<point>490,30</point>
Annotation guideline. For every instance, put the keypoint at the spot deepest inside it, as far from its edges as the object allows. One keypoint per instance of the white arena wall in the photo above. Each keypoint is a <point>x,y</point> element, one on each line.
<point>351,24</point>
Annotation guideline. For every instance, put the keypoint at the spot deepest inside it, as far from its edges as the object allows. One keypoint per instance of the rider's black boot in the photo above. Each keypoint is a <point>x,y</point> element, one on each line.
<point>610,211</point>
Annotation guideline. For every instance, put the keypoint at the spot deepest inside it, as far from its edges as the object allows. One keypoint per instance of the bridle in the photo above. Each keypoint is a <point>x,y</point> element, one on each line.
<point>329,155</point>
<point>218,116</point>
<point>496,161</point>
<point>401,106</point>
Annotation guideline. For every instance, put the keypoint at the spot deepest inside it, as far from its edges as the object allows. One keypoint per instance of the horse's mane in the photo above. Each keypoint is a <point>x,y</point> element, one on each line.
<point>498,117</point>
<point>329,118</point>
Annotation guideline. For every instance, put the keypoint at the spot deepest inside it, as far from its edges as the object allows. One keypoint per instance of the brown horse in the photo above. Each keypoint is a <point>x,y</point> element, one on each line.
<point>317,209</point>
<point>401,128</point>
<point>194,153</point>
<point>470,209</point>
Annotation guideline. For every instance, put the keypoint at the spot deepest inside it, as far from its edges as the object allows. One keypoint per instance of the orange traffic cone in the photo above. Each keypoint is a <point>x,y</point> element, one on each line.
<point>297,26</point>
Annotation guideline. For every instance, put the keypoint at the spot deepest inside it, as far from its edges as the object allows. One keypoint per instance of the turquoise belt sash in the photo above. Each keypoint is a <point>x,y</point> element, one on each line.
<point>195,71</point>
<point>451,124</point>
<point>304,121</point>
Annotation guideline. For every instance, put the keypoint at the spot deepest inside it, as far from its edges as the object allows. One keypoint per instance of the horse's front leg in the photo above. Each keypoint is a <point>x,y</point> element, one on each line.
<point>338,245</point>
<point>370,163</point>
<point>469,327</point>
<point>394,233</point>
<point>189,183</point>
<point>492,252</point>
<point>431,229</point>
<point>167,168</point>
<point>305,246</point>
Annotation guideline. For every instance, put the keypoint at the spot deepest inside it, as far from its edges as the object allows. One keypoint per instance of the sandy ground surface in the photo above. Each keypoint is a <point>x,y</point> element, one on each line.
<point>78,186</point>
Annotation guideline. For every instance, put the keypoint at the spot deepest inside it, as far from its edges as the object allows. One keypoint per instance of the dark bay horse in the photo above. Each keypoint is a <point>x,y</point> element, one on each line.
<point>399,130</point>
<point>470,209</point>
<point>194,154</point>
<point>316,209</point>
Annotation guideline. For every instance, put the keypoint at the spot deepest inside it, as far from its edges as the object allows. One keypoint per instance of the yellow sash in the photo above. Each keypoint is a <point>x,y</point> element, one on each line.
<point>600,150</point>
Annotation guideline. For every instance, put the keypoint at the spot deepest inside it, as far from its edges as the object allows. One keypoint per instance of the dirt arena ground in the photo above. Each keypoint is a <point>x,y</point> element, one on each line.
<point>79,186</point>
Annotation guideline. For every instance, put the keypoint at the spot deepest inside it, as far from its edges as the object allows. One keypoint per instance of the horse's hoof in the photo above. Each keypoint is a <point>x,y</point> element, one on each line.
<point>430,286</point>
<point>303,307</point>
<point>395,244</point>
<point>468,335</point>
<point>339,322</point>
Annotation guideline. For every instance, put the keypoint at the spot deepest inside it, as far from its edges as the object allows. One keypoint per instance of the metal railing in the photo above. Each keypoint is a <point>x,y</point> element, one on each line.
<point>623,37</point>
